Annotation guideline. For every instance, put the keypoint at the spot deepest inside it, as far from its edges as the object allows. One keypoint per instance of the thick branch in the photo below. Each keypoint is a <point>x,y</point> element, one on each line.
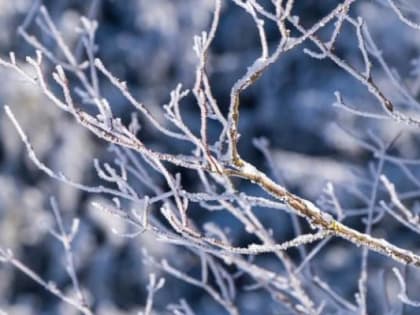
<point>323,221</point>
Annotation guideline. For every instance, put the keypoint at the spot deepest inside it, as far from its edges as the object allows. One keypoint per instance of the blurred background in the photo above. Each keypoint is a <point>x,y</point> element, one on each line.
<point>148,44</point>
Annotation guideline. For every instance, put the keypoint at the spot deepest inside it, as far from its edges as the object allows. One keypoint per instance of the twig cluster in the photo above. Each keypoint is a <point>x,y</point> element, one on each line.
<point>217,163</point>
